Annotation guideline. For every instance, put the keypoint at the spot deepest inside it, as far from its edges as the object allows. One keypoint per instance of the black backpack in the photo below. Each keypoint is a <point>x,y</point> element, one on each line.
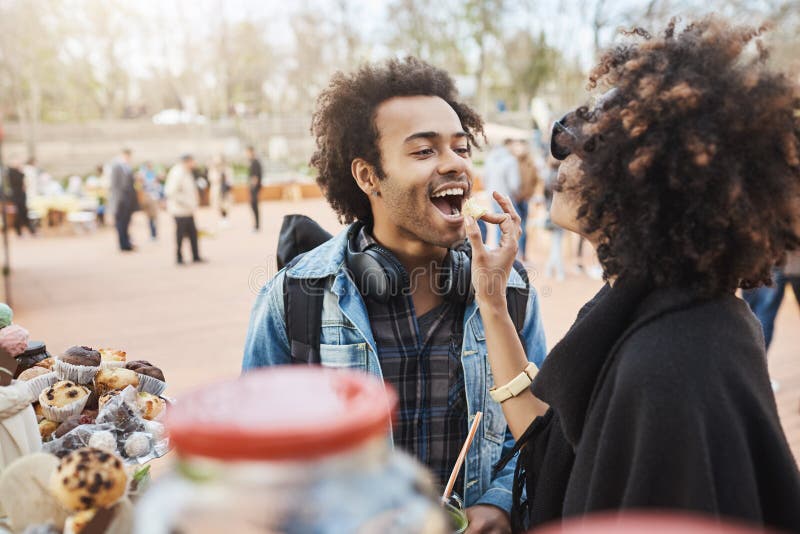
<point>302,298</point>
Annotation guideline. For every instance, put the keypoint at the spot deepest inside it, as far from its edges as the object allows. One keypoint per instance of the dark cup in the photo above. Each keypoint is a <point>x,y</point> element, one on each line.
<point>36,352</point>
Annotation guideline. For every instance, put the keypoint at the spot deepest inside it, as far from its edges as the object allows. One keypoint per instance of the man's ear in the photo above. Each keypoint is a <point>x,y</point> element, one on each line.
<point>364,174</point>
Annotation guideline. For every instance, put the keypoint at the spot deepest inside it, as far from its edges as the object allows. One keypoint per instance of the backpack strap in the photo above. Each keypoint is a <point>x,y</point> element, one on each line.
<point>517,298</point>
<point>302,301</point>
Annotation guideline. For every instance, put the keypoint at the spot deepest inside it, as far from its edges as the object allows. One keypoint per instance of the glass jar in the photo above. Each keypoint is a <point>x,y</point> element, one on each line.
<point>290,450</point>
<point>36,352</point>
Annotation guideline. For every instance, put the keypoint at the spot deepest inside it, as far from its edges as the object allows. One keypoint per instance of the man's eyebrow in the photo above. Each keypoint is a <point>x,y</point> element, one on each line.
<point>431,135</point>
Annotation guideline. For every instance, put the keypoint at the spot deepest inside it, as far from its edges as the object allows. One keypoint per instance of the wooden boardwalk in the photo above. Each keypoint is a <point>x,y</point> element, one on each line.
<point>192,320</point>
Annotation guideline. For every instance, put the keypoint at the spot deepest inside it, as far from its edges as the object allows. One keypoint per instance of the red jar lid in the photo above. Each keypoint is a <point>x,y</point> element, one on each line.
<point>281,413</point>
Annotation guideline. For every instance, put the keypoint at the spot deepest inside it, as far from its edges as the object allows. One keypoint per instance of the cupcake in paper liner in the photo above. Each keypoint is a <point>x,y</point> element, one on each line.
<point>78,364</point>
<point>62,400</point>
<point>111,358</point>
<point>151,385</point>
<point>41,382</point>
<point>151,378</point>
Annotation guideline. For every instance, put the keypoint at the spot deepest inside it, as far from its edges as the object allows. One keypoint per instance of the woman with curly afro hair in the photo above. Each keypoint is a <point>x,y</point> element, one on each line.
<point>685,175</point>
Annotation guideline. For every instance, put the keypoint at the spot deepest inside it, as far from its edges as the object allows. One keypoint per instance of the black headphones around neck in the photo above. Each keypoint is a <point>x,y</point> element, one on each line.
<point>380,276</point>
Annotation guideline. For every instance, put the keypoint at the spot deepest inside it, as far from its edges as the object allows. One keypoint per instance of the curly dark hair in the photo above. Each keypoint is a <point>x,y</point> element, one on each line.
<point>344,124</point>
<point>691,166</point>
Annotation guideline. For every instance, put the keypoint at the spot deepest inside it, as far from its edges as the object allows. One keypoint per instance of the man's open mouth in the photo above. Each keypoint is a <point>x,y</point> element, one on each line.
<point>449,200</point>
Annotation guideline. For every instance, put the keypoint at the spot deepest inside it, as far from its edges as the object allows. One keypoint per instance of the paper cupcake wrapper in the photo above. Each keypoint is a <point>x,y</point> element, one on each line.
<point>151,385</point>
<point>61,414</point>
<point>81,374</point>
<point>109,364</point>
<point>41,383</point>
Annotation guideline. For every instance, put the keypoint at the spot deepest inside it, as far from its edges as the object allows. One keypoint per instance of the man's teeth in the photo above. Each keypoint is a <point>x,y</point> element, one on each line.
<point>452,191</point>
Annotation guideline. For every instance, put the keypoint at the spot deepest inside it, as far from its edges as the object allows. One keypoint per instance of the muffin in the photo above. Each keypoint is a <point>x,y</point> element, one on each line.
<point>47,363</point>
<point>78,364</point>
<point>63,399</point>
<point>114,379</point>
<point>135,364</point>
<point>37,409</point>
<point>151,405</point>
<point>153,372</point>
<point>80,355</point>
<point>112,358</point>
<point>151,379</point>
<point>89,478</point>
<point>38,379</point>
<point>47,428</point>
<point>32,372</point>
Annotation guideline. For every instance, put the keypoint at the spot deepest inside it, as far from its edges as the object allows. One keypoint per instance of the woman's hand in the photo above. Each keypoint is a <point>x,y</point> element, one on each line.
<point>491,268</point>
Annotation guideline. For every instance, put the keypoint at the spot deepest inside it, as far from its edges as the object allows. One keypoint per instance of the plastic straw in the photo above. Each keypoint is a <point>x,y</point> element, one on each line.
<point>462,456</point>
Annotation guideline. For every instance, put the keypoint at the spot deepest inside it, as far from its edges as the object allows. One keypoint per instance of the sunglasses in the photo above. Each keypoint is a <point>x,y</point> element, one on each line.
<point>558,150</point>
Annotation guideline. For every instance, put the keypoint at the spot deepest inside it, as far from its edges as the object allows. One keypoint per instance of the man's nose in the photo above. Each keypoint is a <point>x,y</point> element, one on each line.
<point>452,163</point>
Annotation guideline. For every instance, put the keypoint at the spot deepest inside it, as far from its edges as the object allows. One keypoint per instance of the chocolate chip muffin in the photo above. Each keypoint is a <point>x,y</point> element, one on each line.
<point>80,355</point>
<point>89,478</point>
<point>63,399</point>
<point>62,394</point>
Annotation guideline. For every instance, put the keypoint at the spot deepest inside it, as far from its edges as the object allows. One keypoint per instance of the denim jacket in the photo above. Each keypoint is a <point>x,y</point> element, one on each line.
<point>346,341</point>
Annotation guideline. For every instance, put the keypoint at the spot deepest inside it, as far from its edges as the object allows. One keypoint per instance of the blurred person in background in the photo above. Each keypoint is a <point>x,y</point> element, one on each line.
<point>528,182</point>
<point>122,198</point>
<point>151,198</point>
<point>75,186</point>
<point>502,173</point>
<point>254,174</point>
<point>183,199</point>
<point>766,301</point>
<point>220,182</point>
<point>554,268</point>
<point>19,198</point>
<point>31,172</point>
<point>684,177</point>
<point>95,186</point>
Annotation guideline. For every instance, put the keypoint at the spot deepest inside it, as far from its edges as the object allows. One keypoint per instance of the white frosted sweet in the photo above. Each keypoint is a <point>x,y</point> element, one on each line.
<point>104,439</point>
<point>137,444</point>
<point>155,429</point>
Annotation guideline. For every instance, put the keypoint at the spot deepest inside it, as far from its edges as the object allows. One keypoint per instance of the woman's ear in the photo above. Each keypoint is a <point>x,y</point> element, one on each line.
<point>364,174</point>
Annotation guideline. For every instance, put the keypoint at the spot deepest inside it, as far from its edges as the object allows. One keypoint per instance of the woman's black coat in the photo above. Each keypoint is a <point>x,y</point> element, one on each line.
<point>660,400</point>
